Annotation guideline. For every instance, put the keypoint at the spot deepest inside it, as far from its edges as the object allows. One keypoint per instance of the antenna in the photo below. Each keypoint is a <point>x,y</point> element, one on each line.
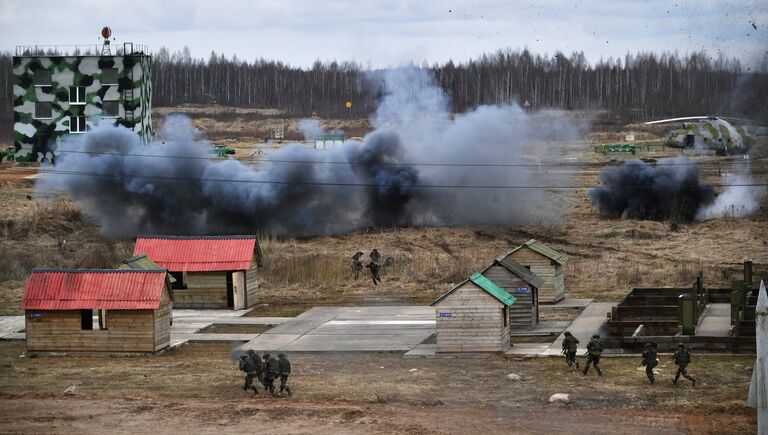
<point>106,32</point>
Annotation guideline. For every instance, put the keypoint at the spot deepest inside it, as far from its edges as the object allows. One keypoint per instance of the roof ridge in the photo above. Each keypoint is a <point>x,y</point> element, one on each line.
<point>42,269</point>
<point>176,237</point>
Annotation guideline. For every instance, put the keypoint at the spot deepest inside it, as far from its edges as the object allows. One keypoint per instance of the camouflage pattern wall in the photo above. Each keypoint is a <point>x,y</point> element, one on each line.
<point>122,82</point>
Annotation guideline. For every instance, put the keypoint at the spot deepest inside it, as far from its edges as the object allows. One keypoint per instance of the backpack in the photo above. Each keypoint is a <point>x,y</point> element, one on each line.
<point>683,356</point>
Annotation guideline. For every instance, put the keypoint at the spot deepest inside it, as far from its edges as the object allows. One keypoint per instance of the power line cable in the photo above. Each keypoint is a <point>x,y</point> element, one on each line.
<point>503,165</point>
<point>339,184</point>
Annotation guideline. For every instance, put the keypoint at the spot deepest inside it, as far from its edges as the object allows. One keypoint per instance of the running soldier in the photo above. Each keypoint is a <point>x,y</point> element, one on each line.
<point>594,349</point>
<point>375,268</point>
<point>357,265</point>
<point>284,370</point>
<point>256,362</point>
<point>247,367</point>
<point>682,358</point>
<point>569,349</point>
<point>650,360</point>
<point>270,372</point>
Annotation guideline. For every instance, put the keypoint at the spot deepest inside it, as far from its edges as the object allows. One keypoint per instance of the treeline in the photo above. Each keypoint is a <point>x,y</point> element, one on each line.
<point>641,86</point>
<point>636,87</point>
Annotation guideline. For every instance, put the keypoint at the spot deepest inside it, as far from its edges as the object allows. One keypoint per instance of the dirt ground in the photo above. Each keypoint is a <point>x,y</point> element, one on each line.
<point>197,389</point>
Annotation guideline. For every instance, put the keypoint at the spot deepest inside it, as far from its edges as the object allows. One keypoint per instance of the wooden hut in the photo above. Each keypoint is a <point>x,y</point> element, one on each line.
<point>545,263</point>
<point>520,282</point>
<point>473,317</point>
<point>209,271</point>
<point>97,311</point>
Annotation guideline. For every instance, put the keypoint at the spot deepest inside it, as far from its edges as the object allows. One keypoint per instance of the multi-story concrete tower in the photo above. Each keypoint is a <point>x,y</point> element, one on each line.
<point>66,90</point>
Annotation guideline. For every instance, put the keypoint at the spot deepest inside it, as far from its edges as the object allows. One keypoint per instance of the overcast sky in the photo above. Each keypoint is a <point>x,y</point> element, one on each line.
<point>389,33</point>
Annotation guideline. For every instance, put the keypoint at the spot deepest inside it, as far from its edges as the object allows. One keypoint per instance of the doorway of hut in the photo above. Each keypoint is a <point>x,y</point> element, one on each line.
<point>230,291</point>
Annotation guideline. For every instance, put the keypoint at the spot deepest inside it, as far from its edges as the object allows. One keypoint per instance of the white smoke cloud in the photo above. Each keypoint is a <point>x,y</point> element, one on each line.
<point>310,128</point>
<point>738,200</point>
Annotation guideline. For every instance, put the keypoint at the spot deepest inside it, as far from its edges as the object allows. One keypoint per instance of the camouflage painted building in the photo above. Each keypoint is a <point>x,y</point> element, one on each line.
<point>59,95</point>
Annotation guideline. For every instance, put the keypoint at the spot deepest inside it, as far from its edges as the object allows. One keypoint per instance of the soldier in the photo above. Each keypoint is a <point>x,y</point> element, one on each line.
<point>594,349</point>
<point>650,360</point>
<point>357,265</point>
<point>257,363</point>
<point>247,366</point>
<point>375,256</point>
<point>284,370</point>
<point>270,371</point>
<point>682,359</point>
<point>569,349</point>
<point>375,268</point>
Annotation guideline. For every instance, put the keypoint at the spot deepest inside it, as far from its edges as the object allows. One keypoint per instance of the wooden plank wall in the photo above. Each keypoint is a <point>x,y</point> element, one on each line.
<point>252,284</point>
<point>204,290</point>
<point>162,318</point>
<point>522,314</point>
<point>59,331</point>
<point>476,324</point>
<point>553,289</point>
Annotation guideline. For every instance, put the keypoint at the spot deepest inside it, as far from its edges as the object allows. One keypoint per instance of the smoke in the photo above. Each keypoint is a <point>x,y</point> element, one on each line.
<point>411,170</point>
<point>668,191</point>
<point>671,190</point>
<point>310,128</point>
<point>738,200</point>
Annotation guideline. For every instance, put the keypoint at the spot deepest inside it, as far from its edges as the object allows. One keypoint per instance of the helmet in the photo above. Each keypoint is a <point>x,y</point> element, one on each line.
<point>567,333</point>
<point>266,356</point>
<point>251,352</point>
<point>243,356</point>
<point>649,344</point>
<point>281,355</point>
<point>596,336</point>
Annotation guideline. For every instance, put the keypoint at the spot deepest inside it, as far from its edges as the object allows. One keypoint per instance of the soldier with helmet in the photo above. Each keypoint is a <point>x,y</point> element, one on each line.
<point>249,368</point>
<point>569,349</point>
<point>682,358</point>
<point>594,349</point>
<point>650,360</point>
<point>269,372</point>
<point>284,370</point>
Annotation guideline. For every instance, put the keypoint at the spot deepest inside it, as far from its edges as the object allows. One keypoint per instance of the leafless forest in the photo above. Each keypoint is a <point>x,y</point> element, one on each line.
<point>639,86</point>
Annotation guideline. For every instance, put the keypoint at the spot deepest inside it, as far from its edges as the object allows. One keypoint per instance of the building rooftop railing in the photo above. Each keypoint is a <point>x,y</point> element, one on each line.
<point>127,48</point>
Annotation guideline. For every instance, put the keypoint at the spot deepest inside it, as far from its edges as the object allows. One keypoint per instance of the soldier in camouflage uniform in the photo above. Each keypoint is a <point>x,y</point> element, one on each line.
<point>256,362</point>
<point>249,368</point>
<point>284,370</point>
<point>375,268</point>
<point>270,372</point>
<point>682,358</point>
<point>650,360</point>
<point>594,349</point>
<point>569,349</point>
<point>357,265</point>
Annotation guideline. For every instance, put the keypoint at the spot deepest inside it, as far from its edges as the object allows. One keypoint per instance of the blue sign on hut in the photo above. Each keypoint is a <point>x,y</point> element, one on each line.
<point>516,279</point>
<point>473,316</point>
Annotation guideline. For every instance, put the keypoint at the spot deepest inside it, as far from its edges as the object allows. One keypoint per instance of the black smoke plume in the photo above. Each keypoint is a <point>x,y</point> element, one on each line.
<point>668,191</point>
<point>176,186</point>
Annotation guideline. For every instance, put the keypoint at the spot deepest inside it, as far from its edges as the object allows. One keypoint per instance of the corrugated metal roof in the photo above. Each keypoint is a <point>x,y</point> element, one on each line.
<point>199,254</point>
<point>54,289</point>
<point>487,285</point>
<point>541,249</point>
<point>142,262</point>
<point>521,271</point>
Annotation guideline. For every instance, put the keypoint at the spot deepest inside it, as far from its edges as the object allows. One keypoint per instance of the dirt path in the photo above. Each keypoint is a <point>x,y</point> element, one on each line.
<point>296,416</point>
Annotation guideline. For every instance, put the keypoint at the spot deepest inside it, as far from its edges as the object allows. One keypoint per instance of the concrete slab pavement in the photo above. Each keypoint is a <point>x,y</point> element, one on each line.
<point>341,329</point>
<point>589,322</point>
<point>11,325</point>
<point>716,321</point>
<point>566,304</point>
